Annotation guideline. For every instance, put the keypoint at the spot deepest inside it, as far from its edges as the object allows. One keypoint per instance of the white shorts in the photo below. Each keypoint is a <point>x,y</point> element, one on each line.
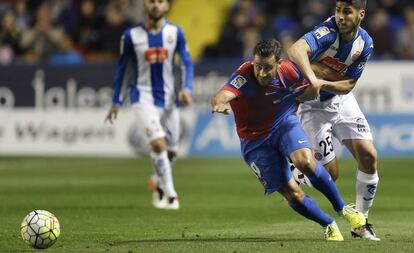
<point>340,117</point>
<point>155,122</point>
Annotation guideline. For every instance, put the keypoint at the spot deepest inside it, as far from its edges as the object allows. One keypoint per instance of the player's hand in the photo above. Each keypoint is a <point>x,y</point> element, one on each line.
<point>112,114</point>
<point>185,98</point>
<point>221,108</point>
<point>312,92</point>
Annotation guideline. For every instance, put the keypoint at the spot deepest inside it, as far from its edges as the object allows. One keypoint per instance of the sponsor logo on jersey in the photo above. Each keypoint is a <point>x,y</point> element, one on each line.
<point>156,55</point>
<point>361,126</point>
<point>238,81</point>
<point>321,31</point>
<point>334,63</point>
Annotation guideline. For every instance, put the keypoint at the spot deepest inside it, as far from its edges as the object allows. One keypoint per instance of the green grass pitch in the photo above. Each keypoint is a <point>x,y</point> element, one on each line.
<point>103,205</point>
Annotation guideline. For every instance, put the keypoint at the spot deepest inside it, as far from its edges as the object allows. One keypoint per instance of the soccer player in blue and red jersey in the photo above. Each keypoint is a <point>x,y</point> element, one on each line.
<point>262,95</point>
<point>146,64</point>
<point>342,47</point>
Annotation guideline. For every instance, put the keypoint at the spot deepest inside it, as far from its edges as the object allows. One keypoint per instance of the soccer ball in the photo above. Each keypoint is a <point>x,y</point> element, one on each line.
<point>40,229</point>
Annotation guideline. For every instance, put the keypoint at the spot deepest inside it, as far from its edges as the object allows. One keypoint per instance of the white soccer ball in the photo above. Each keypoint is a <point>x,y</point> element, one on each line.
<point>40,229</point>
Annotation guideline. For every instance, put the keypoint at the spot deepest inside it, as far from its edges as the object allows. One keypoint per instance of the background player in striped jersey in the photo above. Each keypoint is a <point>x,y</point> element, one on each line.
<point>146,64</point>
<point>343,47</point>
<point>262,95</point>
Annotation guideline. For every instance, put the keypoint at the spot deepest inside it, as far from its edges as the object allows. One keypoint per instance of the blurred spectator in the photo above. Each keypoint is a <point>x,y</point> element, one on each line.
<point>65,14</point>
<point>23,16</point>
<point>89,22</point>
<point>286,39</point>
<point>9,37</point>
<point>132,10</point>
<point>42,40</point>
<point>66,55</point>
<point>405,39</point>
<point>243,28</point>
<point>251,37</point>
<point>381,33</point>
<point>111,31</point>
<point>313,12</point>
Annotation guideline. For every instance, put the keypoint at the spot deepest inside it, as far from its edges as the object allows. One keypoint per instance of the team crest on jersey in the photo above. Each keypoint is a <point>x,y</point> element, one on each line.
<point>318,156</point>
<point>238,81</point>
<point>170,39</point>
<point>321,31</point>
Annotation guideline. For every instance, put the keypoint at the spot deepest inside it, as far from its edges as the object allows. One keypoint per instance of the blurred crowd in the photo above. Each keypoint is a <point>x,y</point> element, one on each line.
<point>71,32</point>
<point>64,32</point>
<point>389,22</point>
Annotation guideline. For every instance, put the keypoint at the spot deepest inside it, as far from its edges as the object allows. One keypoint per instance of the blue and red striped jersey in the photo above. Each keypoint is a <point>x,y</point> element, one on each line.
<point>259,109</point>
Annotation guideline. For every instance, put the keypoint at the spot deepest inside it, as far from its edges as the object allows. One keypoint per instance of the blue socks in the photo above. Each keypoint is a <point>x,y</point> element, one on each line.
<point>323,182</point>
<point>310,209</point>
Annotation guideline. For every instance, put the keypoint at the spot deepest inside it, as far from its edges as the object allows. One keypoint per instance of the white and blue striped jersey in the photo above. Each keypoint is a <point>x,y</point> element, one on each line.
<point>328,48</point>
<point>146,65</point>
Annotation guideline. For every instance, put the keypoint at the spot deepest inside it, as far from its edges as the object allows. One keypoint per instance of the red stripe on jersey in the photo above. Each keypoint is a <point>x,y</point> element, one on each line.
<point>287,72</point>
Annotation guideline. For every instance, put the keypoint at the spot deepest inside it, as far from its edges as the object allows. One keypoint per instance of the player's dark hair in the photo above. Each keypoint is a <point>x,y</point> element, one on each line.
<point>266,48</point>
<point>360,4</point>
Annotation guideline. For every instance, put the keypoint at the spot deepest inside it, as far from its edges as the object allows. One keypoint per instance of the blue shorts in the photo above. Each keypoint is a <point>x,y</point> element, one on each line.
<point>268,156</point>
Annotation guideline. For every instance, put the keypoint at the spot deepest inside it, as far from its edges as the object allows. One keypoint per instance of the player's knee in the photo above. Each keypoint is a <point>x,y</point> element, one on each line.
<point>297,196</point>
<point>305,165</point>
<point>158,145</point>
<point>303,160</point>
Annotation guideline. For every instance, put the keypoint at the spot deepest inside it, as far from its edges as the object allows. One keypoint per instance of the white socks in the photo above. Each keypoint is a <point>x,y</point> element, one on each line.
<point>366,186</point>
<point>163,172</point>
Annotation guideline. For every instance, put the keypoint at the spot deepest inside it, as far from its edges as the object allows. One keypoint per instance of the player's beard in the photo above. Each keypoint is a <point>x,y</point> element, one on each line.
<point>265,81</point>
<point>156,18</point>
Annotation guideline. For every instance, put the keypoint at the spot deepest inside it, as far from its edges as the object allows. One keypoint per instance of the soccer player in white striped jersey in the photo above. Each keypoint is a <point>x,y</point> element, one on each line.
<point>342,47</point>
<point>146,65</point>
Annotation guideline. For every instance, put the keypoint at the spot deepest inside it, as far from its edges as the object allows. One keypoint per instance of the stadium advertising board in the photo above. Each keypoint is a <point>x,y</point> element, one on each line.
<point>56,110</point>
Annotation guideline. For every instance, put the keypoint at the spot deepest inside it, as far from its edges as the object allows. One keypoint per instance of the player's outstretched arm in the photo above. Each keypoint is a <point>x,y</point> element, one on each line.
<point>220,102</point>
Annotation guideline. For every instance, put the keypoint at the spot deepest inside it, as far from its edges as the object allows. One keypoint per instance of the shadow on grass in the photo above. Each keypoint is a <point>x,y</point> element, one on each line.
<point>216,239</point>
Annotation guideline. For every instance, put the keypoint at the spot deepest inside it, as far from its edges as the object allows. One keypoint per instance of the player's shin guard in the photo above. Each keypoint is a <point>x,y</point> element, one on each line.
<point>366,186</point>
<point>310,209</point>
<point>322,181</point>
<point>162,167</point>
